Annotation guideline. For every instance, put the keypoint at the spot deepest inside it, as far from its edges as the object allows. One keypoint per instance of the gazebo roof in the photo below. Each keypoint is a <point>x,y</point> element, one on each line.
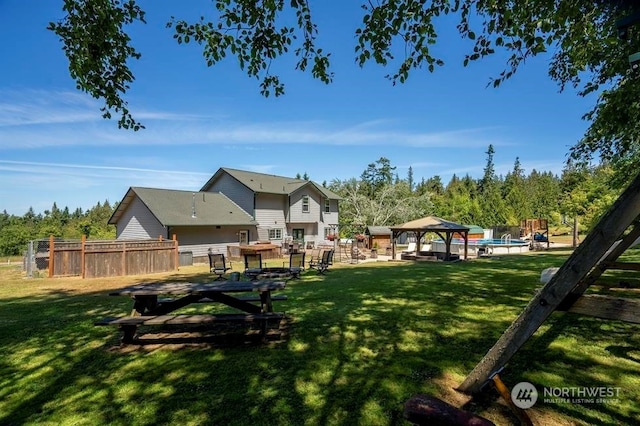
<point>430,223</point>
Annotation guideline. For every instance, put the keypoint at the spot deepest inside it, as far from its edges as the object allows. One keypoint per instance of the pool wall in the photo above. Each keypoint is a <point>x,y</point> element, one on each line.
<point>478,247</point>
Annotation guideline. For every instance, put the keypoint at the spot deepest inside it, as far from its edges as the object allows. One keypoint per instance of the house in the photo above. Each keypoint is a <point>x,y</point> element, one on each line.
<point>285,208</point>
<point>234,207</point>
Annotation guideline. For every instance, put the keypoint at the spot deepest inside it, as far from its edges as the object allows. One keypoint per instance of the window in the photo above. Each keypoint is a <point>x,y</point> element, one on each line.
<point>275,234</point>
<point>243,238</point>
<point>327,232</point>
<point>327,206</point>
<point>305,204</point>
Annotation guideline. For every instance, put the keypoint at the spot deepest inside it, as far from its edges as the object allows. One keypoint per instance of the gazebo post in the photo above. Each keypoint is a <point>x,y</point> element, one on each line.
<point>466,244</point>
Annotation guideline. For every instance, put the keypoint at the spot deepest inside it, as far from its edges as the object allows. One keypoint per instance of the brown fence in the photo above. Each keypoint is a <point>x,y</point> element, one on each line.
<point>93,259</point>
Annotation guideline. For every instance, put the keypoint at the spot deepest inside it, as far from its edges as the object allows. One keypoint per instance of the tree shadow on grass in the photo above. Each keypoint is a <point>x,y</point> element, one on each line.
<point>360,342</point>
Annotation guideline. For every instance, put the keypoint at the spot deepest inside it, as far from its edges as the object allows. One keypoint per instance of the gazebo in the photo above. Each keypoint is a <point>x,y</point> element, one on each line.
<point>443,228</point>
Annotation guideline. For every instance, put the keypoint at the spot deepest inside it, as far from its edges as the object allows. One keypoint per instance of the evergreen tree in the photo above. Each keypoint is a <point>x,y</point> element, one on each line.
<point>492,205</point>
<point>517,203</point>
<point>410,179</point>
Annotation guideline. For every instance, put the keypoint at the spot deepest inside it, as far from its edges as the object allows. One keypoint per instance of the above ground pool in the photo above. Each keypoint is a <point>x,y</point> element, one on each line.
<point>483,246</point>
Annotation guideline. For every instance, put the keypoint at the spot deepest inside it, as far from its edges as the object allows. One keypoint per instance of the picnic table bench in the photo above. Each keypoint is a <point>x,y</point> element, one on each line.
<point>151,310</point>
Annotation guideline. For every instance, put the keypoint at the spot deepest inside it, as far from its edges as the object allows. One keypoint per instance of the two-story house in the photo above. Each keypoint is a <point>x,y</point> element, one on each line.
<point>234,207</point>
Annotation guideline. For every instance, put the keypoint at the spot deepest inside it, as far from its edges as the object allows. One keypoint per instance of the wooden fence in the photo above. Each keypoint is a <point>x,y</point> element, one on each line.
<point>93,259</point>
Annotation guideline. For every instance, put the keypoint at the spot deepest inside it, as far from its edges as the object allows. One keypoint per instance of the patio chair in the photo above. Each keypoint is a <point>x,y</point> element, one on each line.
<point>252,265</point>
<point>296,264</point>
<point>411,248</point>
<point>325,262</point>
<point>316,257</point>
<point>218,265</point>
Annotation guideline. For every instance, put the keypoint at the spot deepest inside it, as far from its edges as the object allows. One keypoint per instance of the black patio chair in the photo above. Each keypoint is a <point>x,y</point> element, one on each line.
<point>252,265</point>
<point>327,260</point>
<point>218,265</point>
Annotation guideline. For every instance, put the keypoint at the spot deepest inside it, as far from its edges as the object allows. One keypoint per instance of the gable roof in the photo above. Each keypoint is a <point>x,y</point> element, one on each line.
<point>378,230</point>
<point>269,184</point>
<point>176,208</point>
<point>430,223</point>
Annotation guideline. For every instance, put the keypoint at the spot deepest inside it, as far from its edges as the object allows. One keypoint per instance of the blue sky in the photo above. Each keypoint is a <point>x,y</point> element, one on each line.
<point>55,147</point>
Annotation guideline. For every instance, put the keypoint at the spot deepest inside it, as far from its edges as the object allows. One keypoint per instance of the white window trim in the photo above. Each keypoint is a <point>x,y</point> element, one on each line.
<point>275,234</point>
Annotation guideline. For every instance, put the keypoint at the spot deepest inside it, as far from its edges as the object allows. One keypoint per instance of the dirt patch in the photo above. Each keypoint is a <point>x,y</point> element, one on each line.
<point>492,406</point>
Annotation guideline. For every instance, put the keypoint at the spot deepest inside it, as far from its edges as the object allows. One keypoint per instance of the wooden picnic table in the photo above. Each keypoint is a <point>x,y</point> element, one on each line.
<point>150,309</point>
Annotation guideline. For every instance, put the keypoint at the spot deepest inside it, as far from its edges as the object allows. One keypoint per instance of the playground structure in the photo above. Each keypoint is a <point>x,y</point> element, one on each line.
<point>536,231</point>
<point>351,250</point>
<point>617,230</point>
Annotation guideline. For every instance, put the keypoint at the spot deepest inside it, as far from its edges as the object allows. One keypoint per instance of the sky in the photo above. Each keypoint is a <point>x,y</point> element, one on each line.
<point>56,147</point>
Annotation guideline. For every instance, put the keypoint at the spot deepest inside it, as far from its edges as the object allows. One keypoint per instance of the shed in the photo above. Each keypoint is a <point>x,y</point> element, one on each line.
<point>378,237</point>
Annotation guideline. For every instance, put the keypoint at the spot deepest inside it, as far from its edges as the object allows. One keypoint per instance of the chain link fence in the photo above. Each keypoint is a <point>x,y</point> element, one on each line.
<point>36,258</point>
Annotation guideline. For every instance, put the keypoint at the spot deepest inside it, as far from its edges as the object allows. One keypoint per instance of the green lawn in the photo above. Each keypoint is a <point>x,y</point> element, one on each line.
<point>360,341</point>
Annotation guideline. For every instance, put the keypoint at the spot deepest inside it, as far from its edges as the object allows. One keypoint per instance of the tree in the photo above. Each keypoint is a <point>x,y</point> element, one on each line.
<point>573,199</point>
<point>517,203</point>
<point>459,201</point>
<point>410,180</point>
<point>490,200</point>
<point>588,54</point>
<point>434,185</point>
<point>377,175</point>
<point>543,193</point>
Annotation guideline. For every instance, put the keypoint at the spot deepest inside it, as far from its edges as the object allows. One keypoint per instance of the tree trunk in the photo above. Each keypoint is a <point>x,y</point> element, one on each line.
<point>575,232</point>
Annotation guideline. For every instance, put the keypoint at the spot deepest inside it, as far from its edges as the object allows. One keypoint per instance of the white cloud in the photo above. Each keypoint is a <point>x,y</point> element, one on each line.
<point>38,119</point>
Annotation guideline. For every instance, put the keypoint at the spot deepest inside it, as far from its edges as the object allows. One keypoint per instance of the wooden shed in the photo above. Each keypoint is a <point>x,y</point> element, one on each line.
<point>378,236</point>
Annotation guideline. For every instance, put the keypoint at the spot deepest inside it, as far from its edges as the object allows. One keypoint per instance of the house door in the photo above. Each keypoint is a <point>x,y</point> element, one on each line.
<point>243,238</point>
<point>297,235</point>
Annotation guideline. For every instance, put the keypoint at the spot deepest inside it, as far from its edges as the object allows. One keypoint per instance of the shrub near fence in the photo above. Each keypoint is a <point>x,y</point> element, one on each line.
<point>93,259</point>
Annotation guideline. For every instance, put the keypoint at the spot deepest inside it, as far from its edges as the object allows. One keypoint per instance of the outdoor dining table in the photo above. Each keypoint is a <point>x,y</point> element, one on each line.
<point>150,309</point>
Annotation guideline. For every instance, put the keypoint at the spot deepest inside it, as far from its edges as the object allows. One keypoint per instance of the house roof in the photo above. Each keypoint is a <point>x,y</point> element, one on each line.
<point>430,223</point>
<point>176,208</point>
<point>270,184</point>
<point>378,230</point>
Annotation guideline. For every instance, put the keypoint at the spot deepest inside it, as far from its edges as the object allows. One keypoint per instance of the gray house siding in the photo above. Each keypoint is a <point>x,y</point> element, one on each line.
<point>296,214</point>
<point>139,223</point>
<point>330,217</point>
<point>269,214</point>
<point>234,190</point>
<point>199,240</point>
<point>311,221</point>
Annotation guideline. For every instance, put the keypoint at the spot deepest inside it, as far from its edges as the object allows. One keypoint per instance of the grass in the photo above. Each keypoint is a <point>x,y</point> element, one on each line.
<point>361,340</point>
